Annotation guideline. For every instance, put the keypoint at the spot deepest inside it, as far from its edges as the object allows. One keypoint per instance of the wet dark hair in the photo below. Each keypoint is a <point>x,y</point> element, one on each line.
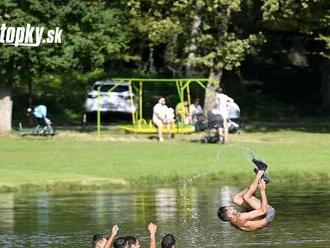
<point>120,242</point>
<point>168,241</point>
<point>131,240</point>
<point>222,213</point>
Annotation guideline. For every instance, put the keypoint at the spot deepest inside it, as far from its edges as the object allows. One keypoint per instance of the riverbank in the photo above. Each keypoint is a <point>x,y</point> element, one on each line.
<point>74,161</point>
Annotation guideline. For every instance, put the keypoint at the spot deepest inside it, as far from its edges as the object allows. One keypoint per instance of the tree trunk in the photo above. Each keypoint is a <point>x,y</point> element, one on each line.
<point>6,106</point>
<point>192,48</point>
<point>169,56</point>
<point>213,84</point>
<point>325,86</point>
<point>152,69</point>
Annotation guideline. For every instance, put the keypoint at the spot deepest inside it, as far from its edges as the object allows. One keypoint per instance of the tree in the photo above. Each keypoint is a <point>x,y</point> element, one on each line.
<point>208,41</point>
<point>94,33</point>
<point>311,20</point>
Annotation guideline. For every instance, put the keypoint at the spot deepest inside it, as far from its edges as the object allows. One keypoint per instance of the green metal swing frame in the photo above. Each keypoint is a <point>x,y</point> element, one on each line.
<point>182,85</point>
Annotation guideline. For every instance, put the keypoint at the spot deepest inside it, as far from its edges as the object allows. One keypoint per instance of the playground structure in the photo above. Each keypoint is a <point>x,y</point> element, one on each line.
<point>139,124</point>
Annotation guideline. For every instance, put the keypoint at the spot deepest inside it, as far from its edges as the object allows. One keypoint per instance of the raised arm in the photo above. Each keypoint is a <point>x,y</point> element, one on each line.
<point>152,230</point>
<point>112,237</point>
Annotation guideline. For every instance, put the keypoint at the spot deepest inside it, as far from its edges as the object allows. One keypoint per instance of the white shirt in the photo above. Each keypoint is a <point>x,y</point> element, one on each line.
<point>193,110</point>
<point>170,115</point>
<point>159,112</point>
<point>222,101</point>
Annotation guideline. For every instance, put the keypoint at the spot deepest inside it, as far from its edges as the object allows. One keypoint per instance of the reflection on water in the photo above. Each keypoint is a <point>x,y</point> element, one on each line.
<point>70,219</point>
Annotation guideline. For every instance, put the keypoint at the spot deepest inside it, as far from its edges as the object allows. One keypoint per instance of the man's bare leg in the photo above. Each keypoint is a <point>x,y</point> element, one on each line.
<point>239,200</point>
<point>249,195</point>
<point>160,133</point>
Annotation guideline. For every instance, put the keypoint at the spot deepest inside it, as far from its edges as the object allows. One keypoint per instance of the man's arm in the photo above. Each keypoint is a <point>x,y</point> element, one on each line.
<point>152,230</point>
<point>112,237</point>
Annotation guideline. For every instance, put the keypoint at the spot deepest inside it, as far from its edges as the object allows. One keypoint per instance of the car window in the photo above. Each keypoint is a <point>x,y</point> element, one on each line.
<point>107,87</point>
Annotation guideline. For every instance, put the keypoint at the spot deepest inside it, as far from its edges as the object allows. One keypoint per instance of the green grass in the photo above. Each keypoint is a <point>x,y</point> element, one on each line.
<point>73,161</point>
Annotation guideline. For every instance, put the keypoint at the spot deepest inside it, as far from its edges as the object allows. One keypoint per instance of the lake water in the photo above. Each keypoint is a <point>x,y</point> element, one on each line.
<point>70,219</point>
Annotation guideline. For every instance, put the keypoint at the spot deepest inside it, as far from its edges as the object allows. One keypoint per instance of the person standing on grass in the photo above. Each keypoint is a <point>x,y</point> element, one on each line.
<point>258,213</point>
<point>222,103</point>
<point>159,117</point>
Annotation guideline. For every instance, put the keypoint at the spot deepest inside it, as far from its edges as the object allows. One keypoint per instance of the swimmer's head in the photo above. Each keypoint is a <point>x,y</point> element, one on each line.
<point>226,213</point>
<point>132,242</point>
<point>120,243</point>
<point>99,241</point>
<point>168,241</point>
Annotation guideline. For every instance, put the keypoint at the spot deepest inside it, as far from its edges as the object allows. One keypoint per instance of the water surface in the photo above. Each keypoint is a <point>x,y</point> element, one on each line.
<point>70,219</point>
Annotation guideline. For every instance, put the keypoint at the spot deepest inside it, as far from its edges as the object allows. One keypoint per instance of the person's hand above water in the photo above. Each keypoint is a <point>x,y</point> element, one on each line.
<point>115,230</point>
<point>152,229</point>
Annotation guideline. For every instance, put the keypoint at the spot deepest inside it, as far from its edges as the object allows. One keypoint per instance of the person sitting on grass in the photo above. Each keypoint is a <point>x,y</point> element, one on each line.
<point>102,241</point>
<point>168,241</point>
<point>259,214</point>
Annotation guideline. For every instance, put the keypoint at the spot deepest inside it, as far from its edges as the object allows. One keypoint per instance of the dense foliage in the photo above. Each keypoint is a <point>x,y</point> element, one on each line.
<point>269,49</point>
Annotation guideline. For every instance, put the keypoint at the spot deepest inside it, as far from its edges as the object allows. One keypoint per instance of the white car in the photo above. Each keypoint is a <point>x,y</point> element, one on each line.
<point>116,100</point>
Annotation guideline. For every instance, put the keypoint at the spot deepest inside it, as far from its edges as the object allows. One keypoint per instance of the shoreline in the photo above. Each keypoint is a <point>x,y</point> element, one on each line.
<point>312,179</point>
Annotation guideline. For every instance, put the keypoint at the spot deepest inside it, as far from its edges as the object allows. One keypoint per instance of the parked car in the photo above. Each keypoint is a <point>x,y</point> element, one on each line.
<point>116,100</point>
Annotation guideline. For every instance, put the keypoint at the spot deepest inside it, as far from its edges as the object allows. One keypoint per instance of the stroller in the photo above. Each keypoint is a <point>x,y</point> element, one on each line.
<point>214,121</point>
<point>43,123</point>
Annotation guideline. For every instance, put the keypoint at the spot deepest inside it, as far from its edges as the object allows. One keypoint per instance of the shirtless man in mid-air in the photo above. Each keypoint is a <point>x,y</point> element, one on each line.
<point>258,213</point>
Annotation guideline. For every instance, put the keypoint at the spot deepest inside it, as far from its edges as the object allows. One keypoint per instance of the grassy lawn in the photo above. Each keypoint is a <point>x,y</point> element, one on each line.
<point>74,160</point>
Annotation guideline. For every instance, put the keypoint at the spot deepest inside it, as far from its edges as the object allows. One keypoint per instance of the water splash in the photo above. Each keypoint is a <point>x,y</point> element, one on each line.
<point>191,220</point>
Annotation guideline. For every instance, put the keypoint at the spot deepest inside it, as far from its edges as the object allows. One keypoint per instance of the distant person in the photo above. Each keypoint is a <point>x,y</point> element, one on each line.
<point>221,108</point>
<point>101,241</point>
<point>195,111</point>
<point>259,214</point>
<point>168,241</point>
<point>182,113</point>
<point>159,117</point>
<point>170,122</point>
<point>120,242</point>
